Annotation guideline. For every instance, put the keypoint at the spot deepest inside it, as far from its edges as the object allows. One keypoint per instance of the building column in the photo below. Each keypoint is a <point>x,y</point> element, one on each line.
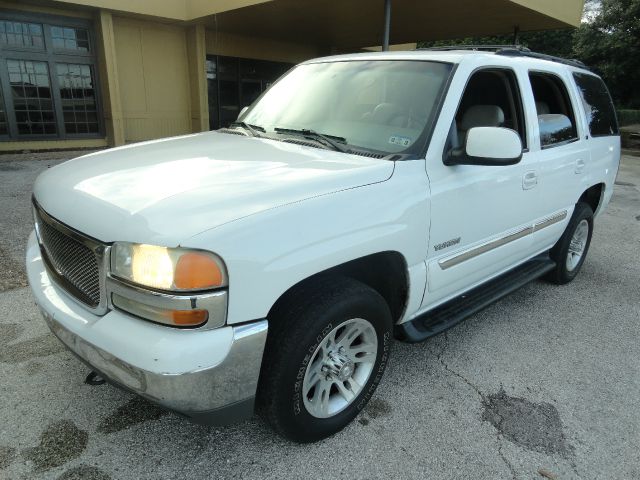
<point>108,67</point>
<point>197,56</point>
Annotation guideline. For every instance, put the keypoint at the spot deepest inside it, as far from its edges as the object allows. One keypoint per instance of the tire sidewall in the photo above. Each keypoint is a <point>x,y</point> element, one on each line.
<point>561,251</point>
<point>296,419</point>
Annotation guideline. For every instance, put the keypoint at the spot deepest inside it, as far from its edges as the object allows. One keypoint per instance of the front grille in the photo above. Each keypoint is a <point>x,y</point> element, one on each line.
<point>75,264</point>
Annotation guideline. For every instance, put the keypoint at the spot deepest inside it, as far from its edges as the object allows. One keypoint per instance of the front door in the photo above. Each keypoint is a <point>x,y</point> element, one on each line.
<point>481,216</point>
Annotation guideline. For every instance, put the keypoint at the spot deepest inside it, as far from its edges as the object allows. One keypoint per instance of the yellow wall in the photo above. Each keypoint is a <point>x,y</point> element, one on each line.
<point>153,75</point>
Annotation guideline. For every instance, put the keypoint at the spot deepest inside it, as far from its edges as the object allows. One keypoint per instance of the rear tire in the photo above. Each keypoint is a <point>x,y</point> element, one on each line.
<point>571,250</point>
<point>327,348</point>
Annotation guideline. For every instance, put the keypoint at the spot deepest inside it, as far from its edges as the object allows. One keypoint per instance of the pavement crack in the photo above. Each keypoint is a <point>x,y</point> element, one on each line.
<point>483,399</point>
<point>504,459</point>
<point>453,372</point>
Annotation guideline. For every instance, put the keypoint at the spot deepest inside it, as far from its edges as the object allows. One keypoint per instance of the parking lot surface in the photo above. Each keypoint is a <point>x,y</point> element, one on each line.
<point>545,382</point>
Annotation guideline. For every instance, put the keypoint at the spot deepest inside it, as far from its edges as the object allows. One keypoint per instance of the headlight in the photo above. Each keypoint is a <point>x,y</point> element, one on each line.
<point>162,268</point>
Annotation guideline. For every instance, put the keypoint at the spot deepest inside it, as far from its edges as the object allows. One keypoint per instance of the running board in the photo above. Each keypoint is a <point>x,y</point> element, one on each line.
<point>451,313</point>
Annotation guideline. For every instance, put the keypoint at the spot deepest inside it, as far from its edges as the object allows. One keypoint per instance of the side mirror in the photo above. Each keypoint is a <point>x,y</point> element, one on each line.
<point>242,112</point>
<point>492,146</point>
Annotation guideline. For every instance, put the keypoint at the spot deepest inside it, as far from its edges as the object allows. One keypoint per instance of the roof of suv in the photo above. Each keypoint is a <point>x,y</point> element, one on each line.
<point>456,55</point>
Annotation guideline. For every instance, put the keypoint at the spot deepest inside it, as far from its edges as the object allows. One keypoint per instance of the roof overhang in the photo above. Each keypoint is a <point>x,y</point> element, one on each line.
<point>344,24</point>
<point>357,23</point>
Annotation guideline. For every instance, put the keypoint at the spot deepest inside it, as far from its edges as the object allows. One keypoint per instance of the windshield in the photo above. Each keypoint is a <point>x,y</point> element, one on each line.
<point>385,106</point>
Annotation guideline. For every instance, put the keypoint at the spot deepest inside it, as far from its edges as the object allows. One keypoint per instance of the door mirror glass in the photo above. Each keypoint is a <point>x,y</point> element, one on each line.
<point>242,112</point>
<point>493,146</point>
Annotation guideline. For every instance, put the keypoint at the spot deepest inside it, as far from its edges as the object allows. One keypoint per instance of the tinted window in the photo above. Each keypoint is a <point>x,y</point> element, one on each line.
<point>601,116</point>
<point>555,113</point>
<point>491,99</point>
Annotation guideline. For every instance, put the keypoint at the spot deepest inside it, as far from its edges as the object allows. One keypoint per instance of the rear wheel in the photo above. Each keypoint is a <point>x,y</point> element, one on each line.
<point>327,349</point>
<point>571,250</point>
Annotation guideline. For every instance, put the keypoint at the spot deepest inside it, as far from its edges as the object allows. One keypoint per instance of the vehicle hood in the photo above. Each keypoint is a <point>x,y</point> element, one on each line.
<point>168,190</point>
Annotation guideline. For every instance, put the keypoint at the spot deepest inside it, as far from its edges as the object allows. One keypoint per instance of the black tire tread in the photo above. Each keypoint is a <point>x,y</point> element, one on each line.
<point>286,330</point>
<point>560,275</point>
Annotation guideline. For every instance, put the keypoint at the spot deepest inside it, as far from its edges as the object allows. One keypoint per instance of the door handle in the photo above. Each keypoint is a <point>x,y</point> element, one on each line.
<point>580,166</point>
<point>529,180</point>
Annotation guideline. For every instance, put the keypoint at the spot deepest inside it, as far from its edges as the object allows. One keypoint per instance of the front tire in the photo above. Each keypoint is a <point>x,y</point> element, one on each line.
<point>571,250</point>
<point>327,349</point>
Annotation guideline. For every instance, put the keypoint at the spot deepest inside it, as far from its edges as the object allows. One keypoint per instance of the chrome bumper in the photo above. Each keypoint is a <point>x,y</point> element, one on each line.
<point>210,376</point>
<point>217,395</point>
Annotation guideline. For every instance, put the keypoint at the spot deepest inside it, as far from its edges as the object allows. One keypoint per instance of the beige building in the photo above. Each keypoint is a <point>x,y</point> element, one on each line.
<point>94,73</point>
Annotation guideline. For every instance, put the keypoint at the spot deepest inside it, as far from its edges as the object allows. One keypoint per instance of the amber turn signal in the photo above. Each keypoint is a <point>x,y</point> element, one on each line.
<point>178,318</point>
<point>189,318</point>
<point>196,270</point>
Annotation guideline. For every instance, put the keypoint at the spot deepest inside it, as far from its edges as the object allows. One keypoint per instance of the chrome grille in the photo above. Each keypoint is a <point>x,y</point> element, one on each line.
<point>75,264</point>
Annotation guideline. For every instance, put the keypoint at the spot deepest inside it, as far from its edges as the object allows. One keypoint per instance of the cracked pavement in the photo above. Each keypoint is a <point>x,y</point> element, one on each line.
<point>544,382</point>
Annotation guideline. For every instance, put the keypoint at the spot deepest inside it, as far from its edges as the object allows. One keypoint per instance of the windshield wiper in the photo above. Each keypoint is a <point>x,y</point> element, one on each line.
<point>252,129</point>
<point>327,140</point>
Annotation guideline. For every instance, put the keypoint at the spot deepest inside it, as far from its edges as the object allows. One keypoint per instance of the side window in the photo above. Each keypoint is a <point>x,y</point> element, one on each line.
<point>556,118</point>
<point>491,99</point>
<point>601,116</point>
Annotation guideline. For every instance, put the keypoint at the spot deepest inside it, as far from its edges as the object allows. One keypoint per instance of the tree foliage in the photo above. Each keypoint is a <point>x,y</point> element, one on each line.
<point>610,43</point>
<point>608,40</point>
<point>551,42</point>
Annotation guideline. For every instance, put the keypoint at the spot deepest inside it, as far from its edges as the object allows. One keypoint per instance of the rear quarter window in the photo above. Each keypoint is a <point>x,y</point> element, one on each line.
<point>601,116</point>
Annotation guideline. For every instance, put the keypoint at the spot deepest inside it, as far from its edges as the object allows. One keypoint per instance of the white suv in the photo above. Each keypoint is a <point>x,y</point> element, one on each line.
<point>362,198</point>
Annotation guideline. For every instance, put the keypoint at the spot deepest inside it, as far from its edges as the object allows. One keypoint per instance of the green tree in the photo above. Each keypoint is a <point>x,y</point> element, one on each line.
<point>551,42</point>
<point>610,42</point>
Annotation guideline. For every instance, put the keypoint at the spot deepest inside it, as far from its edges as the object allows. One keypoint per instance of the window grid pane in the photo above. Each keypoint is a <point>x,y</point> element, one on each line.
<point>78,98</point>
<point>32,101</point>
<point>33,104</point>
<point>4,127</point>
<point>21,34</point>
<point>70,38</point>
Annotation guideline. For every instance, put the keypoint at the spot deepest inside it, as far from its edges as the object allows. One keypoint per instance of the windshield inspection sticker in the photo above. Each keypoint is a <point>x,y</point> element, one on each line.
<point>400,140</point>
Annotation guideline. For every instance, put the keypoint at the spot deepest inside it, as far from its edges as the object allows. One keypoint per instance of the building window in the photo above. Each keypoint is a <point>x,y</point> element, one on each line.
<point>234,83</point>
<point>78,98</point>
<point>4,128</point>
<point>32,102</point>
<point>20,34</point>
<point>48,85</point>
<point>65,38</point>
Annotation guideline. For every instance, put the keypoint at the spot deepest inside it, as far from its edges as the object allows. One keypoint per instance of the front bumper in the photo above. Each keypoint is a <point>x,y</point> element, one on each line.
<point>208,375</point>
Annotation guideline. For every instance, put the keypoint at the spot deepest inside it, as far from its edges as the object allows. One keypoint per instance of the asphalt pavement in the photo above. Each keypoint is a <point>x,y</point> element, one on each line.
<point>543,384</point>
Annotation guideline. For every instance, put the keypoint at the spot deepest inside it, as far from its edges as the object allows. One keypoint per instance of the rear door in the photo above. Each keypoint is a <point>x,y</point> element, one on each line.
<point>560,146</point>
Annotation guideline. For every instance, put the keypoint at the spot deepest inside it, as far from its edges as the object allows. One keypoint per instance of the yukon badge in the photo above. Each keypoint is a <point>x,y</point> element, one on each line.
<point>447,244</point>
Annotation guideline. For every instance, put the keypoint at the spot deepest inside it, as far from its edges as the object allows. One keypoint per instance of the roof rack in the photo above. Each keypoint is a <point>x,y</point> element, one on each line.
<point>483,48</point>
<point>511,51</point>
<point>542,56</point>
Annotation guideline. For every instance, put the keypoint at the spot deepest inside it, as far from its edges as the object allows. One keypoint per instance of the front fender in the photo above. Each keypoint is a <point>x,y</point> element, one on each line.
<point>268,253</point>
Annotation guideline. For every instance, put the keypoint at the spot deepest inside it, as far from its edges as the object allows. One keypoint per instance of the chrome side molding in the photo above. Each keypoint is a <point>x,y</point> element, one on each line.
<point>499,242</point>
